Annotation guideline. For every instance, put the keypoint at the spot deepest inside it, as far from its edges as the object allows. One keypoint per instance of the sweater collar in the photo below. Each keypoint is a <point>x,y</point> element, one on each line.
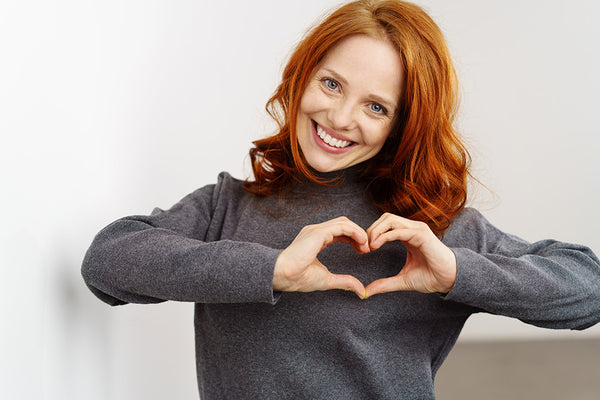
<point>344,181</point>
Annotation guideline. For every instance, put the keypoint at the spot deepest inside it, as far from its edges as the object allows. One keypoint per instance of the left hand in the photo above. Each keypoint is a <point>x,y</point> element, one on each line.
<point>430,265</point>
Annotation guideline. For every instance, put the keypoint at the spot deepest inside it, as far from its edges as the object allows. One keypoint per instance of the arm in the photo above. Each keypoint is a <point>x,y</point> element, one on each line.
<point>165,256</point>
<point>547,283</point>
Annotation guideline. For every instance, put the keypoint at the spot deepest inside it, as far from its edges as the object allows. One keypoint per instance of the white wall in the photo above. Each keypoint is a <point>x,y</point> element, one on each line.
<point>112,108</point>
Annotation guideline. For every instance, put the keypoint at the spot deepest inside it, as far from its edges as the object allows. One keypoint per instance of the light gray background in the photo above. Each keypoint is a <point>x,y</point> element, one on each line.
<point>112,108</point>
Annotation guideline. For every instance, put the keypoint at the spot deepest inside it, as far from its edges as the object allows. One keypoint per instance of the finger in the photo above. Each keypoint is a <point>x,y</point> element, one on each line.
<point>391,221</point>
<point>358,234</point>
<point>377,223</point>
<point>388,218</point>
<point>408,236</point>
<point>359,248</point>
<point>410,232</point>
<point>345,282</point>
<point>386,223</point>
<point>342,229</point>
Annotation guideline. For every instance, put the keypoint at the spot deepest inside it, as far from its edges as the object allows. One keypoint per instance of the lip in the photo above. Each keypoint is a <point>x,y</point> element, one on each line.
<point>325,146</point>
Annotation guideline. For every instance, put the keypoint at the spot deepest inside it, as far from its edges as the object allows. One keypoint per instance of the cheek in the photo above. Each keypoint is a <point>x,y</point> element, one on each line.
<point>379,134</point>
<point>311,101</point>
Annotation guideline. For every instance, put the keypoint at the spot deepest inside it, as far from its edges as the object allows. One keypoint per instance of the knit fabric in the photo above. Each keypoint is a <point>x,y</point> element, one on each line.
<point>218,246</point>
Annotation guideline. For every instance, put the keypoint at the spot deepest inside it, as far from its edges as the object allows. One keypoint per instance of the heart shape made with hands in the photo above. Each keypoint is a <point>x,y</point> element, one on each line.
<point>430,265</point>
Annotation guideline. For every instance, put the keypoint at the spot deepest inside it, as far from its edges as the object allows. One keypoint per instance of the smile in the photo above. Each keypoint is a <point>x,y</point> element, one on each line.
<point>330,140</point>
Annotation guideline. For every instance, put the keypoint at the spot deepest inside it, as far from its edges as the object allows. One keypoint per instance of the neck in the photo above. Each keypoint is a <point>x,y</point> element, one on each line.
<point>346,180</point>
<point>353,172</point>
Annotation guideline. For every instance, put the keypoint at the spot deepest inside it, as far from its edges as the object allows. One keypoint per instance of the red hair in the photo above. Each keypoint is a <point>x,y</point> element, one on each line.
<point>421,172</point>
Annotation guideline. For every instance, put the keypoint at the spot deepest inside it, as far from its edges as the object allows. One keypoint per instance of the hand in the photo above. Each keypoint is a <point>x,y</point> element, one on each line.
<point>430,265</point>
<point>297,268</point>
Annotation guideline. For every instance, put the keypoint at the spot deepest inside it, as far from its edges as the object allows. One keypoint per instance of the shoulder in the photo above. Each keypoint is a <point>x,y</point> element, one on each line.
<point>225,188</point>
<point>470,229</point>
<point>228,194</point>
<point>209,197</point>
<point>468,218</point>
<point>225,178</point>
<point>228,187</point>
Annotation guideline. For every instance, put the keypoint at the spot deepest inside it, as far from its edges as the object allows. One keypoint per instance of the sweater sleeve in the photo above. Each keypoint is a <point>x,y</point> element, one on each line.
<point>166,256</point>
<point>547,283</point>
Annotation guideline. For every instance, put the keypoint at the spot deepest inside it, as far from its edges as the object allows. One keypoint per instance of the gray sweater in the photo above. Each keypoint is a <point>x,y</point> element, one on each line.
<point>217,247</point>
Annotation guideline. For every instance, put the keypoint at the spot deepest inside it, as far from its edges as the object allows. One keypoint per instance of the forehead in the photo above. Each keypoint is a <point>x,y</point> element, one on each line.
<point>367,64</point>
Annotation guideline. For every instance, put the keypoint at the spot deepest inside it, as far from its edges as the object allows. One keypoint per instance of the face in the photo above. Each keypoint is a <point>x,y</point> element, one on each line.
<point>348,107</point>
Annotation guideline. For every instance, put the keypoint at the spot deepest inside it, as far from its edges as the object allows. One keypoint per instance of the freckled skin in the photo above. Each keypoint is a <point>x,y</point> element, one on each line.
<point>353,95</point>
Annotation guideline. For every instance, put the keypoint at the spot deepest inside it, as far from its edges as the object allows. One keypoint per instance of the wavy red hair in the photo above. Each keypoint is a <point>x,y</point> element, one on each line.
<point>422,170</point>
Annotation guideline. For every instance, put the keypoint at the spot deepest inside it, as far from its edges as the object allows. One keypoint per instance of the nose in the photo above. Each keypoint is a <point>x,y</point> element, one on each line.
<point>342,116</point>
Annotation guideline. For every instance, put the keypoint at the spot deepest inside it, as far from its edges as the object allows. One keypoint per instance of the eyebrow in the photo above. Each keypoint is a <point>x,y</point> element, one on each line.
<point>375,97</point>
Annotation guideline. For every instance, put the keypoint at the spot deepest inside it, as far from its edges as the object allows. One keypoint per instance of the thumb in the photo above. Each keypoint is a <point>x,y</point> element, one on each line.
<point>346,282</point>
<point>386,285</point>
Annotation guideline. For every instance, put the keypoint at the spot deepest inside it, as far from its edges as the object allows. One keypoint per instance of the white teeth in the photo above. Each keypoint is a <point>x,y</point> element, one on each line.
<point>330,140</point>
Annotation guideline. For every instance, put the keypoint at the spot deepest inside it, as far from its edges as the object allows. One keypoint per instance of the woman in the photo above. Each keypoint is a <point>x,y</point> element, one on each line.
<point>365,155</point>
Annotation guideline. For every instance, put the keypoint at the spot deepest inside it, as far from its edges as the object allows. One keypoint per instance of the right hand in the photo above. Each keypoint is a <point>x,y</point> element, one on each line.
<point>297,268</point>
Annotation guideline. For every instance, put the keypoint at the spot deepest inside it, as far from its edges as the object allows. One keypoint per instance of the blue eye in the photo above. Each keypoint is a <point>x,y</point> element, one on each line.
<point>331,84</point>
<point>378,108</point>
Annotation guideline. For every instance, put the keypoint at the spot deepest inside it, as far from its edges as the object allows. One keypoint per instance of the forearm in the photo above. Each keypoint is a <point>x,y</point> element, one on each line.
<point>557,285</point>
<point>132,261</point>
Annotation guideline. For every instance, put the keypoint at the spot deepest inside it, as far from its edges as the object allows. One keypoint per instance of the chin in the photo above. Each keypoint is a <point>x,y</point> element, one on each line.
<point>328,166</point>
